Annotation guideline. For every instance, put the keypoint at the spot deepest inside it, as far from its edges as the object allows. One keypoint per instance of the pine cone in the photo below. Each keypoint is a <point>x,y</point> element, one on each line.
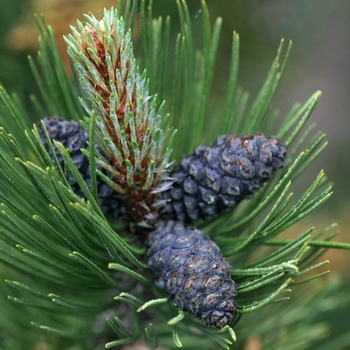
<point>217,177</point>
<point>74,137</point>
<point>189,267</point>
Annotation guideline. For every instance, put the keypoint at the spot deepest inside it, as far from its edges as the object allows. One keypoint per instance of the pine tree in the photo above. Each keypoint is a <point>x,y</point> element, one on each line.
<point>74,277</point>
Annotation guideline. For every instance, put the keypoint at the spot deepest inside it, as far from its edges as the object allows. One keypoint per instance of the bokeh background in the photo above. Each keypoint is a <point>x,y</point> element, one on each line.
<point>320,60</point>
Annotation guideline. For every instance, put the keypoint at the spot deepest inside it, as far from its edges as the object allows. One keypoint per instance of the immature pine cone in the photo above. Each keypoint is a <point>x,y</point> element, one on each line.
<point>217,177</point>
<point>189,267</point>
<point>74,137</point>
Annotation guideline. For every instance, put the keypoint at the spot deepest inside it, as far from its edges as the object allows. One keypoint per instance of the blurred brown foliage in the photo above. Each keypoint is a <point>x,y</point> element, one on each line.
<point>59,14</point>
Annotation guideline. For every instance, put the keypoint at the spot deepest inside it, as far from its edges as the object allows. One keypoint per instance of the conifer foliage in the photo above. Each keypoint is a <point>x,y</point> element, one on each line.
<point>116,228</point>
<point>184,262</point>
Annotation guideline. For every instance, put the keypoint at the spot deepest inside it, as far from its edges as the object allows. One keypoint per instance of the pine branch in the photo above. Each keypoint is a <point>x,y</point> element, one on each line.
<point>87,275</point>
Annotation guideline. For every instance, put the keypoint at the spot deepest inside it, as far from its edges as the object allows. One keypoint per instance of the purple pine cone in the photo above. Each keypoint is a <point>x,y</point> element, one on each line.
<point>189,267</point>
<point>217,177</point>
<point>74,137</point>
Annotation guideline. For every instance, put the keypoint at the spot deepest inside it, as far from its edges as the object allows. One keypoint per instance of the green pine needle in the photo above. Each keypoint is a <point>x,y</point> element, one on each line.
<point>71,279</point>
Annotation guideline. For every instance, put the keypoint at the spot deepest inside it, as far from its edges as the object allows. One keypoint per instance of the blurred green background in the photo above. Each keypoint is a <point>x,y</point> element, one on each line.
<point>320,60</point>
